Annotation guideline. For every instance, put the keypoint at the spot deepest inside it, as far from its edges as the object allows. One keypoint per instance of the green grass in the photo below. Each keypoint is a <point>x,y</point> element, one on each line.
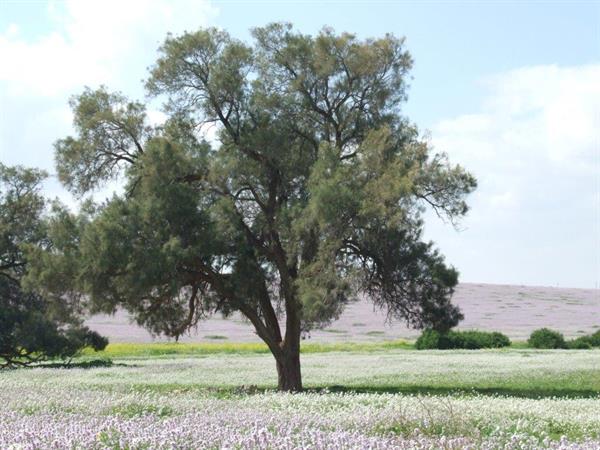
<point>130,350</point>
<point>519,344</point>
<point>384,367</point>
<point>375,333</point>
<point>134,350</point>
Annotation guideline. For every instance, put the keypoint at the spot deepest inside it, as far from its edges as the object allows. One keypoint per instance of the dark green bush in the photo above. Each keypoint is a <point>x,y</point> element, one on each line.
<point>479,339</point>
<point>432,339</point>
<point>499,340</point>
<point>580,343</point>
<point>595,339</point>
<point>429,339</point>
<point>546,338</point>
<point>585,342</point>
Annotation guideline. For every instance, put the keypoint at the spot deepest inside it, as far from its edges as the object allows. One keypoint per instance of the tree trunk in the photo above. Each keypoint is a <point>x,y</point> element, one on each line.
<point>288,371</point>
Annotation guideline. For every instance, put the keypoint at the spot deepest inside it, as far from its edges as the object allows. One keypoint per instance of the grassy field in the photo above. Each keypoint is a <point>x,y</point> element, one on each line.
<point>386,367</point>
<point>137,350</point>
<point>373,396</point>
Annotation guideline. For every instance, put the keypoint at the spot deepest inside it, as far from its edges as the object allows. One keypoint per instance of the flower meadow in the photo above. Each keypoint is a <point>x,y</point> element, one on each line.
<point>181,403</point>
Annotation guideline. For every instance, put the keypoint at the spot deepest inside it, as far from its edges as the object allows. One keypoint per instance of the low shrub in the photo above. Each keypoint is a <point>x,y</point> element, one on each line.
<point>580,343</point>
<point>499,340</point>
<point>472,340</point>
<point>546,338</point>
<point>595,339</point>
<point>429,339</point>
<point>585,342</point>
<point>481,339</point>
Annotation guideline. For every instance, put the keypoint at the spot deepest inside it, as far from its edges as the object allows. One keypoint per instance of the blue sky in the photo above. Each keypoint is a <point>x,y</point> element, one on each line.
<point>511,90</point>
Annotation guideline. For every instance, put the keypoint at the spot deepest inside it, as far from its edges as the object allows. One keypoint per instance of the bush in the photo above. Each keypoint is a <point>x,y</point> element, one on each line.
<point>472,340</point>
<point>546,338</point>
<point>580,343</point>
<point>499,340</point>
<point>479,339</point>
<point>429,339</point>
<point>595,339</point>
<point>585,342</point>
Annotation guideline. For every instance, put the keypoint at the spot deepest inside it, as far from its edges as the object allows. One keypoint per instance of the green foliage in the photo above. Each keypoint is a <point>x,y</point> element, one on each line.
<point>499,340</point>
<point>112,133</point>
<point>32,327</point>
<point>21,206</point>
<point>580,343</point>
<point>585,342</point>
<point>432,339</point>
<point>28,334</point>
<point>483,339</point>
<point>546,338</point>
<point>312,194</point>
<point>595,339</point>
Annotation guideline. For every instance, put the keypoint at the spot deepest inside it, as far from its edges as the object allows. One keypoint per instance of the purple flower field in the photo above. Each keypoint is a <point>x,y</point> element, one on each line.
<point>169,404</point>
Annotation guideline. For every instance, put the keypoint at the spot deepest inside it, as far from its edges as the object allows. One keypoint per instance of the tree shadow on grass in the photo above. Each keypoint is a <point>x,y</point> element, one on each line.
<point>250,390</point>
<point>532,393</point>
<point>90,364</point>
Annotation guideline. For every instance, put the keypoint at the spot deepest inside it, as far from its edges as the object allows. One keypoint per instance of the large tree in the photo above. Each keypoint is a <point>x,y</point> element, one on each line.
<point>32,327</point>
<point>310,194</point>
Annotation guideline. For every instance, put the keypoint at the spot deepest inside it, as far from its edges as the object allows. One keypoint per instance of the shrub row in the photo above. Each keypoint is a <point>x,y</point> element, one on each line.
<point>546,338</point>
<point>432,339</point>
<point>542,338</point>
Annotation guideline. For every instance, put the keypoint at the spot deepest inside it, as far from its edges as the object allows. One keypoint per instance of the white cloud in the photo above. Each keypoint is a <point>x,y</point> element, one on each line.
<point>89,43</point>
<point>92,42</point>
<point>546,112</point>
<point>535,148</point>
<point>12,29</point>
<point>534,122</point>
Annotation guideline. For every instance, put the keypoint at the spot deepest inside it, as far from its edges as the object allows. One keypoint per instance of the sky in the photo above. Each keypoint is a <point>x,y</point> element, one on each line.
<point>508,89</point>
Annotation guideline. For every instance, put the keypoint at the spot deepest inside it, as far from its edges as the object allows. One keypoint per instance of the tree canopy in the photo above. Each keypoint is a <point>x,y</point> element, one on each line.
<point>32,328</point>
<point>311,193</point>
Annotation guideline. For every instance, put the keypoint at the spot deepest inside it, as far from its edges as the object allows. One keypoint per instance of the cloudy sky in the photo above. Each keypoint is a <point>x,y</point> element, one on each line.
<point>511,90</point>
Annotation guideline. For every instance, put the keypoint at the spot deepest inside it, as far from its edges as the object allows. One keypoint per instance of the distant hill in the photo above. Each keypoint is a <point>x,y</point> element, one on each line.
<point>514,310</point>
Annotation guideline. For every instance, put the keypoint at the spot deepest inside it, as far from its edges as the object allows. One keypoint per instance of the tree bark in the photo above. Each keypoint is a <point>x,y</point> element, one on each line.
<point>288,371</point>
